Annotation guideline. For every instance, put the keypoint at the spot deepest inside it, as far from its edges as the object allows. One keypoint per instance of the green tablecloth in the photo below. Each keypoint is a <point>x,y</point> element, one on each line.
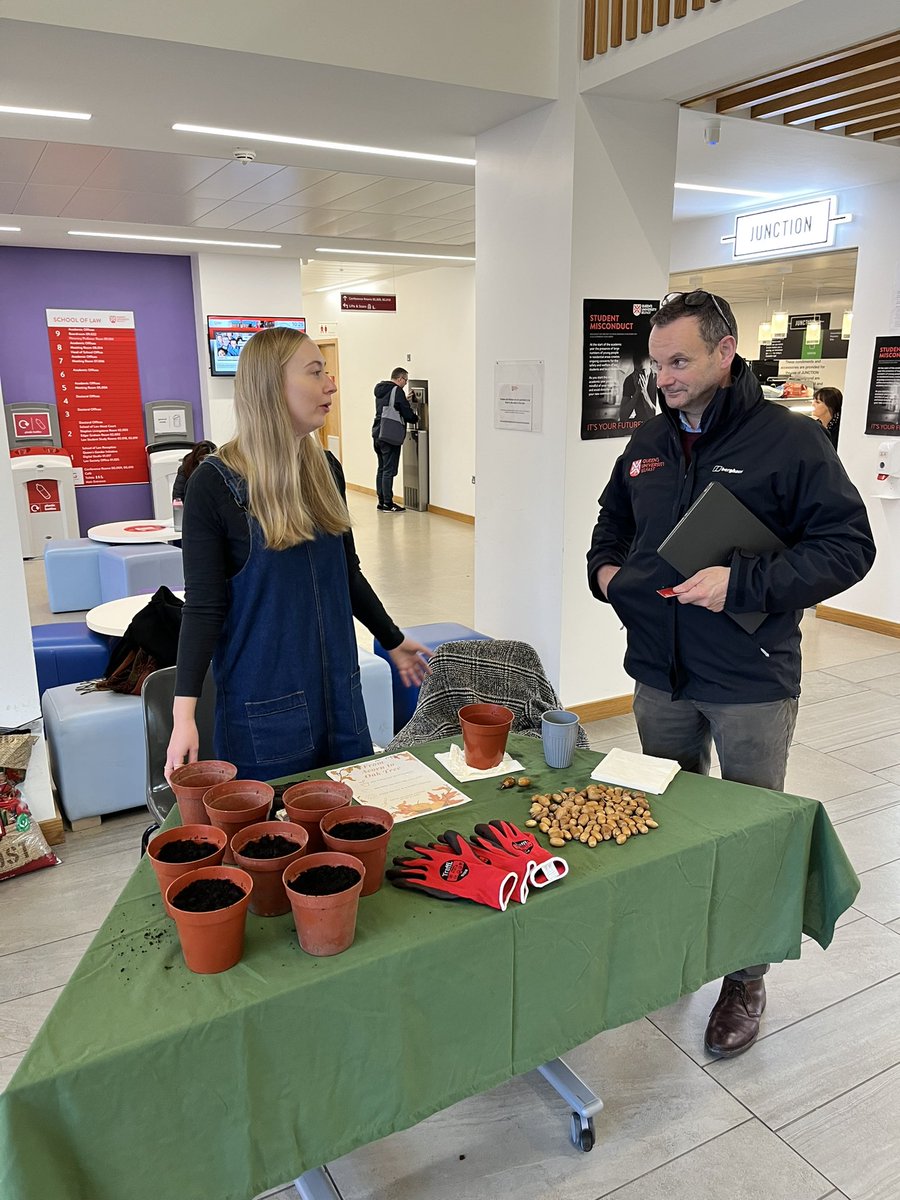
<point>147,1080</point>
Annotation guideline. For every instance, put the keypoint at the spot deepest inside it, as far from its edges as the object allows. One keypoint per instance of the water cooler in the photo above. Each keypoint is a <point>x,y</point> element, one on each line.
<point>42,477</point>
<point>415,450</point>
<point>170,434</point>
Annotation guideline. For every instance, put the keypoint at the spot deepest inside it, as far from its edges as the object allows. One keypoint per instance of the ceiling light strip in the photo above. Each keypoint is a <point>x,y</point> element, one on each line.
<point>44,112</point>
<point>10,228</point>
<point>394,254</point>
<point>248,135</point>
<point>726,191</point>
<point>146,237</point>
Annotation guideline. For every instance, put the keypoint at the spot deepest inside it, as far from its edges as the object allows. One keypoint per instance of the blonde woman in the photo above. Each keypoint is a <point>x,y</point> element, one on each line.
<point>272,581</point>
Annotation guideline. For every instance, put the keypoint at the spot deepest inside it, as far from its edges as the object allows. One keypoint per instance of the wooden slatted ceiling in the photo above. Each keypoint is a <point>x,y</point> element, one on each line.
<point>607,23</point>
<point>855,92</point>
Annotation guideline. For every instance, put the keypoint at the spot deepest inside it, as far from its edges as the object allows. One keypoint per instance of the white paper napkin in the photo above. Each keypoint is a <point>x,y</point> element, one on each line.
<point>455,762</point>
<point>643,771</point>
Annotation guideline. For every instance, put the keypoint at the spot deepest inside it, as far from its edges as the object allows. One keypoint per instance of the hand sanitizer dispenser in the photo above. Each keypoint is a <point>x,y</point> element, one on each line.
<point>887,474</point>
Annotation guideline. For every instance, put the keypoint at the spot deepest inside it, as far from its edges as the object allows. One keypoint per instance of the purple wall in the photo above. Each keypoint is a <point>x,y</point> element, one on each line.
<point>156,288</point>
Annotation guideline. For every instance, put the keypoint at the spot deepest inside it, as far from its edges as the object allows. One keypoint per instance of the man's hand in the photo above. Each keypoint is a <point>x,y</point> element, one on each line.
<point>708,588</point>
<point>605,574</point>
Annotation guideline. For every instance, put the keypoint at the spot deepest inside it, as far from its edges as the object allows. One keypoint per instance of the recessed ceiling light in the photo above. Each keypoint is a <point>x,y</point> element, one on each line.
<point>394,254</point>
<point>702,187</point>
<point>146,237</point>
<point>10,228</point>
<point>245,134</point>
<point>44,112</point>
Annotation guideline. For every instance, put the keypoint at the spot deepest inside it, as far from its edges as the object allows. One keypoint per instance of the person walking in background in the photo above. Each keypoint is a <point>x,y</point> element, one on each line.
<point>826,409</point>
<point>699,676</point>
<point>272,581</point>
<point>387,453</point>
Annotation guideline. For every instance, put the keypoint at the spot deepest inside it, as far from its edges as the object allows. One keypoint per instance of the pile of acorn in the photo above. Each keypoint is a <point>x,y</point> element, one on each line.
<point>597,813</point>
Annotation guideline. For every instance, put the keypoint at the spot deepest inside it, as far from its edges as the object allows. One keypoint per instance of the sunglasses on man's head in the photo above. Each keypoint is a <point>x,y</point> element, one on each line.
<point>699,299</point>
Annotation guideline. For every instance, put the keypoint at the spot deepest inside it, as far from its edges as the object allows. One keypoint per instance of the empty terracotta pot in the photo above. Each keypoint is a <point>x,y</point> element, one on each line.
<point>232,806</point>
<point>325,925</point>
<point>211,941</point>
<point>306,803</point>
<point>190,784</point>
<point>485,729</point>
<point>166,872</point>
<point>371,852</point>
<point>269,898</point>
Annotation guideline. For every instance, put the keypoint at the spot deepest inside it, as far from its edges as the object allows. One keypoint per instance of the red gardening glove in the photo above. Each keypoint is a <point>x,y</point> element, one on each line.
<point>495,857</point>
<point>453,874</point>
<point>544,867</point>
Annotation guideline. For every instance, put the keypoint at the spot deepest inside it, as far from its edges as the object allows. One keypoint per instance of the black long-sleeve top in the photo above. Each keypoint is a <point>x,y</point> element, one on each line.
<point>215,541</point>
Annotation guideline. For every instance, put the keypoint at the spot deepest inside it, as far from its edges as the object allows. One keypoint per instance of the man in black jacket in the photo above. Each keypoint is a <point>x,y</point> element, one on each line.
<point>699,676</point>
<point>389,455</point>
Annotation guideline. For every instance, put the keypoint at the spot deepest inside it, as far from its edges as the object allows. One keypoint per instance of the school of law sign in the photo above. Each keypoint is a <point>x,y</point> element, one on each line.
<point>808,225</point>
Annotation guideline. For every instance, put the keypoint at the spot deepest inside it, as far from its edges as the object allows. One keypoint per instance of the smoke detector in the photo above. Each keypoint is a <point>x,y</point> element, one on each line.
<point>244,156</point>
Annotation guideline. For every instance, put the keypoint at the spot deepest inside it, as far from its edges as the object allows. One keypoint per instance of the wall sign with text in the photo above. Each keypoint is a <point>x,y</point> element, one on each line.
<point>808,225</point>
<point>618,387</point>
<point>98,394</point>
<point>883,414</point>
<point>366,302</point>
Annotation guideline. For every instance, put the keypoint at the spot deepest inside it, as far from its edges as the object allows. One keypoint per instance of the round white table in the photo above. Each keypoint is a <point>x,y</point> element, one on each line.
<point>114,617</point>
<point>125,532</point>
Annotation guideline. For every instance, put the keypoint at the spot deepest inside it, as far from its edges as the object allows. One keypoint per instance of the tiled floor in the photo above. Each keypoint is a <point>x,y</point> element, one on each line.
<point>811,1113</point>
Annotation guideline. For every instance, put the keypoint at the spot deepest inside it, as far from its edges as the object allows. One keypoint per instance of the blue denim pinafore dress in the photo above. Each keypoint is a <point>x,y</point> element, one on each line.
<point>288,691</point>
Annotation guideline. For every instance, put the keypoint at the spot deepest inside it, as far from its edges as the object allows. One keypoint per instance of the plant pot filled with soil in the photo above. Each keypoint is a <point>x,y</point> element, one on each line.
<point>485,730</point>
<point>364,832</point>
<point>263,851</point>
<point>306,803</point>
<point>209,907</point>
<point>235,805</point>
<point>185,848</point>
<point>191,782</point>
<point>324,890</point>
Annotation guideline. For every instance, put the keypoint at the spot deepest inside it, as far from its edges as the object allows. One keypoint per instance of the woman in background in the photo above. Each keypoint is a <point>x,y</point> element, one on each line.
<point>826,410</point>
<point>189,464</point>
<point>273,583</point>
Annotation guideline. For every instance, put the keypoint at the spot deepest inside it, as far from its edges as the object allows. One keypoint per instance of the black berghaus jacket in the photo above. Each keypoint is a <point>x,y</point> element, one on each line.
<point>783,467</point>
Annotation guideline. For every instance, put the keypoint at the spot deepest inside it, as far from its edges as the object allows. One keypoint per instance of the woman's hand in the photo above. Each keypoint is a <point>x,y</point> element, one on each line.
<point>411,660</point>
<point>184,744</point>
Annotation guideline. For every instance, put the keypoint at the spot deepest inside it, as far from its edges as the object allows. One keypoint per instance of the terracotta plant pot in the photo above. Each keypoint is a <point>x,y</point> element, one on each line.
<point>190,784</point>
<point>211,941</point>
<point>269,897</point>
<point>166,872</point>
<point>371,852</point>
<point>485,729</point>
<point>233,806</point>
<point>325,924</point>
<point>306,803</point>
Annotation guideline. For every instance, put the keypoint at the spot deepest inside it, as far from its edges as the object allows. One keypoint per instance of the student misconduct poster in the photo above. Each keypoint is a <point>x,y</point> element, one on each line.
<point>618,387</point>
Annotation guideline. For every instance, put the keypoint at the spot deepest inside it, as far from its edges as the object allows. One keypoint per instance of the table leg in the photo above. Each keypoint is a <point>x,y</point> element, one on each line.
<point>317,1184</point>
<point>585,1103</point>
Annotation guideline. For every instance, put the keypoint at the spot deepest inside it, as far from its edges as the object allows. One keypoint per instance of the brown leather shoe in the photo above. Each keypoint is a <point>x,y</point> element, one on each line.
<point>734,1021</point>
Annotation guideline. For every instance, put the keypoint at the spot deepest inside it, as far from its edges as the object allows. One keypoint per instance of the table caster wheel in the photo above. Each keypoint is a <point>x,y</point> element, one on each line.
<point>582,1132</point>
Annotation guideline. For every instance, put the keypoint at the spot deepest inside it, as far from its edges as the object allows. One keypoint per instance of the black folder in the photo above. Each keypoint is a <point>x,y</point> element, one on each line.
<point>716,525</point>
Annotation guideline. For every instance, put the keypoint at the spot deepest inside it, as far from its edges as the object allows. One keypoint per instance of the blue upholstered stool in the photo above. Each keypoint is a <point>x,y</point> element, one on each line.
<point>432,636</point>
<point>72,570</point>
<point>67,652</point>
<point>378,698</point>
<point>131,570</point>
<point>96,743</point>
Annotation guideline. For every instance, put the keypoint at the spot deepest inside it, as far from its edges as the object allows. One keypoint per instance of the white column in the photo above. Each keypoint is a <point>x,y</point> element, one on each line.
<point>572,201</point>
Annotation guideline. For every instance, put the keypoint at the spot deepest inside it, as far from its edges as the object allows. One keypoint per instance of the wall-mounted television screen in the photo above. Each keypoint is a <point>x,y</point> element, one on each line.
<point>227,336</point>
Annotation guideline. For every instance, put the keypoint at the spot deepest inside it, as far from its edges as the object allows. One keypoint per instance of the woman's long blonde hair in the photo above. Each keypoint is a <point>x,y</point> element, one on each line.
<point>290,488</point>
